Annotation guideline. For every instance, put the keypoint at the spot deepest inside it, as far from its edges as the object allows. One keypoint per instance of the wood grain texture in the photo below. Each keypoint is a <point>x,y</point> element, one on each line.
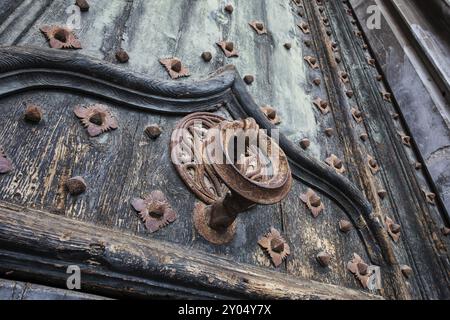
<point>127,158</point>
<point>16,290</point>
<point>397,175</point>
<point>151,30</point>
<point>118,264</point>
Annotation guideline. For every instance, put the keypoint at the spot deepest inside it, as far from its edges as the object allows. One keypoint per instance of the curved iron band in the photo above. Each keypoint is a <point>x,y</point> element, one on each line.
<point>225,85</point>
<point>319,176</point>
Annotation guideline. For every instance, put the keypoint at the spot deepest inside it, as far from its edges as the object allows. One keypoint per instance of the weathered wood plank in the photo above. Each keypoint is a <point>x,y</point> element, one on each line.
<point>16,290</point>
<point>397,176</point>
<point>114,263</point>
<point>151,30</point>
<point>126,157</point>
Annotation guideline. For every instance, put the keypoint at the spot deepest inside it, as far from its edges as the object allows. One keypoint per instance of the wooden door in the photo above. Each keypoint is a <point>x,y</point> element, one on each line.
<point>323,87</point>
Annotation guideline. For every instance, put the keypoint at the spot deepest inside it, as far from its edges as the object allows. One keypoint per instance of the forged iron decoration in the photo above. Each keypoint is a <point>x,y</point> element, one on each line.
<point>275,246</point>
<point>5,163</point>
<point>61,37</point>
<point>96,118</point>
<point>228,176</point>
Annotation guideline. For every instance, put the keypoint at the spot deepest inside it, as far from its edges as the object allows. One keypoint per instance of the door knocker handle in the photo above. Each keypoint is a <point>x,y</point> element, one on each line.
<point>231,166</point>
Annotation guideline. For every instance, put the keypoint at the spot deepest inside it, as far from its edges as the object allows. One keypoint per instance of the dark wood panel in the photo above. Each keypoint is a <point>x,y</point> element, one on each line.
<point>126,158</point>
<point>421,221</point>
<point>117,166</point>
<point>16,290</point>
<point>115,264</point>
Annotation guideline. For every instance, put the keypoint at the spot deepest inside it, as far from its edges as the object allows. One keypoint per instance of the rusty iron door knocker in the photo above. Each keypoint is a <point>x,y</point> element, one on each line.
<point>231,166</point>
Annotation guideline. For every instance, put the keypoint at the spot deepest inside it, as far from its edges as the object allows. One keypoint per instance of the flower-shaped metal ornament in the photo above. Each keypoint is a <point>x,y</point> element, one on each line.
<point>154,210</point>
<point>392,228</point>
<point>228,49</point>
<point>360,269</point>
<point>5,163</point>
<point>275,245</point>
<point>258,26</point>
<point>174,67</point>
<point>61,37</point>
<point>336,163</point>
<point>313,202</point>
<point>97,118</point>
<point>373,165</point>
<point>271,114</point>
<point>322,105</point>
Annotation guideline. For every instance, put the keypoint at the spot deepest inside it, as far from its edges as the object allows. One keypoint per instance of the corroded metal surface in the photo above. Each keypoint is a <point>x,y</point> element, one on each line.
<point>198,175</point>
<point>255,172</point>
<point>339,74</point>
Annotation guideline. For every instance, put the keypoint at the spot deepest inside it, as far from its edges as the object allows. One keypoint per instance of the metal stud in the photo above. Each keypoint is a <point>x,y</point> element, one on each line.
<point>83,5</point>
<point>33,113</point>
<point>345,226</point>
<point>357,115</point>
<point>329,132</point>
<point>153,131</point>
<point>271,114</point>
<point>61,37</point>
<point>445,231</point>
<point>305,143</point>
<point>406,271</point>
<point>154,210</point>
<point>248,79</point>
<point>386,96</point>
<point>5,163</point>
<point>229,8</point>
<point>344,77</point>
<point>304,27</point>
<point>275,246</point>
<point>392,228</point>
<point>371,62</point>
<point>317,81</point>
<point>75,186</point>
<point>406,140</point>
<point>334,46</point>
<point>324,259</point>
<point>122,56</point>
<point>336,163</point>
<point>312,61</point>
<point>373,165</point>
<point>206,56</point>
<point>382,193</point>
<point>430,197</point>
<point>313,202</point>
<point>228,49</point>
<point>96,118</point>
<point>258,26</point>
<point>359,268</point>
<point>174,67</point>
<point>322,105</point>
<point>364,137</point>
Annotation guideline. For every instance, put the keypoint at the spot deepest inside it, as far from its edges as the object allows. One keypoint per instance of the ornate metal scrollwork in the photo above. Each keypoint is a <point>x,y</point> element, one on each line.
<point>229,165</point>
<point>186,144</point>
